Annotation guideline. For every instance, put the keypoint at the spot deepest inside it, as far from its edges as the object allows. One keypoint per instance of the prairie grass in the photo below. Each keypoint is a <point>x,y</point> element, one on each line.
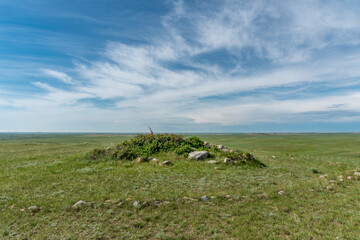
<point>304,192</point>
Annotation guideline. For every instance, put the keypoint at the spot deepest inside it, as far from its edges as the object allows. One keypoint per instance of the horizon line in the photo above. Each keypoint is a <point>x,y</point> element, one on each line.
<point>177,132</point>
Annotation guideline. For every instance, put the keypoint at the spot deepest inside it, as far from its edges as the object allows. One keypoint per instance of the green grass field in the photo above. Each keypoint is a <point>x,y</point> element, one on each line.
<point>49,171</point>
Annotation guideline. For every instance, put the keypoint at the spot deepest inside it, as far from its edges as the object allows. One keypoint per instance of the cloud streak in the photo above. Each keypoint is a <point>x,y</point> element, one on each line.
<point>63,77</point>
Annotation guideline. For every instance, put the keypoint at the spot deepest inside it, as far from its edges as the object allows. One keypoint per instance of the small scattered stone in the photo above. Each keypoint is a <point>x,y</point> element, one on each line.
<point>323,176</point>
<point>333,181</point>
<point>205,198</point>
<point>349,177</point>
<point>220,147</point>
<point>155,160</point>
<point>137,204</point>
<point>228,160</point>
<point>330,188</point>
<point>273,156</point>
<point>141,159</point>
<point>357,173</point>
<point>212,161</point>
<point>149,158</point>
<point>80,204</point>
<point>281,192</point>
<point>166,163</point>
<point>22,210</point>
<point>128,199</point>
<point>292,158</point>
<point>198,155</point>
<point>34,209</point>
<point>227,196</point>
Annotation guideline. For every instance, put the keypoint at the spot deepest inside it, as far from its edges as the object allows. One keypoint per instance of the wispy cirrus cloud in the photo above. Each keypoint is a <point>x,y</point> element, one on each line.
<point>63,77</point>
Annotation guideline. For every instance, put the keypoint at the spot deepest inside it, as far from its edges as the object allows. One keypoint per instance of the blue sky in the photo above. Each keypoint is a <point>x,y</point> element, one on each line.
<point>179,66</point>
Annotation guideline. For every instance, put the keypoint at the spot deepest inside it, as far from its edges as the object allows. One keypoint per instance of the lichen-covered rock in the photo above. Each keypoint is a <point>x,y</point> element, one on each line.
<point>198,155</point>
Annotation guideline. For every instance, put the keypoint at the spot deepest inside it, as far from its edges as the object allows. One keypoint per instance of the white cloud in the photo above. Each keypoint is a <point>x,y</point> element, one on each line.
<point>253,110</point>
<point>3,102</point>
<point>63,77</point>
<point>283,31</point>
<point>54,96</point>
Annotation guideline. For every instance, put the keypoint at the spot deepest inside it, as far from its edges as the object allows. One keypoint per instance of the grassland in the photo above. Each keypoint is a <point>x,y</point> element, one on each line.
<point>49,171</point>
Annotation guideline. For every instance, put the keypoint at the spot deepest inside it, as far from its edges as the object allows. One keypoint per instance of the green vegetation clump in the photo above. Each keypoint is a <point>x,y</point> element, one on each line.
<point>149,145</point>
<point>195,142</point>
<point>314,170</point>
<point>243,158</point>
<point>184,149</point>
<point>97,153</point>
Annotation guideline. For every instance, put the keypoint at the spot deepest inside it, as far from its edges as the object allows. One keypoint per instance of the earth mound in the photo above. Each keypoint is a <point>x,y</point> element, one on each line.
<point>143,147</point>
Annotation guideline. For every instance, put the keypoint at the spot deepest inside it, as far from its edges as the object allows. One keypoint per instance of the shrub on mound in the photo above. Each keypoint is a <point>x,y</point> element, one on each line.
<point>148,145</point>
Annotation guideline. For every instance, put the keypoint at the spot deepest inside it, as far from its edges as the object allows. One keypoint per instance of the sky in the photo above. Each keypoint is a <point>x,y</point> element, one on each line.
<point>179,66</point>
